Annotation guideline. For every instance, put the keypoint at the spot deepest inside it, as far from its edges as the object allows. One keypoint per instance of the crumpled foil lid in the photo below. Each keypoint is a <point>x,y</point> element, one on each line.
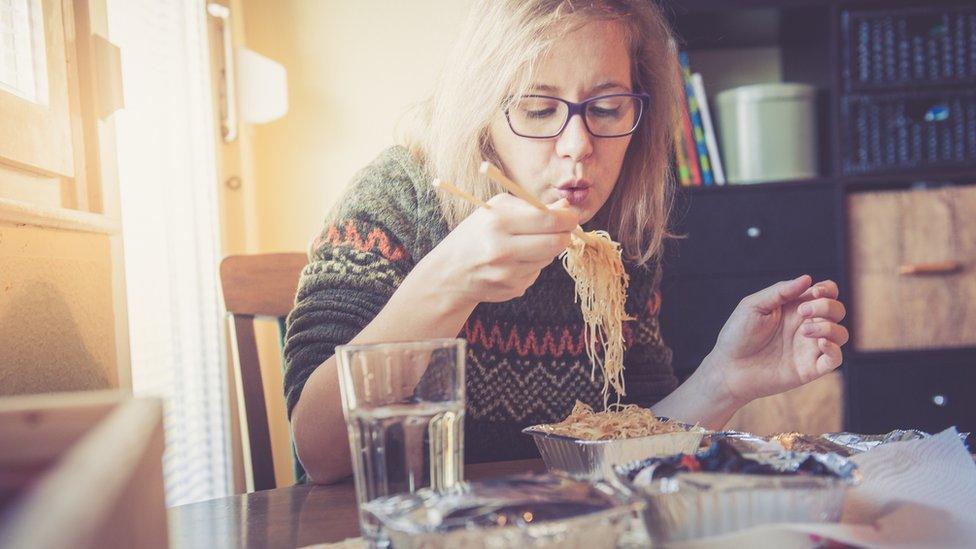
<point>513,511</point>
<point>844,444</point>
<point>732,455</point>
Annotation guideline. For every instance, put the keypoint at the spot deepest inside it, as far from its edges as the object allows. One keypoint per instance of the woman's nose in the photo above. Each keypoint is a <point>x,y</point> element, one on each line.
<point>575,141</point>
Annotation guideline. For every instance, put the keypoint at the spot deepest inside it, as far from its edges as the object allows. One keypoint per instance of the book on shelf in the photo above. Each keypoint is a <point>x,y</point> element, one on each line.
<point>684,175</point>
<point>718,172</point>
<point>697,157</point>
<point>697,131</point>
<point>687,133</point>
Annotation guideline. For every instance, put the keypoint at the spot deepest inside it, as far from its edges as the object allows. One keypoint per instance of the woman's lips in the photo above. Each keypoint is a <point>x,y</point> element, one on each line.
<point>574,195</point>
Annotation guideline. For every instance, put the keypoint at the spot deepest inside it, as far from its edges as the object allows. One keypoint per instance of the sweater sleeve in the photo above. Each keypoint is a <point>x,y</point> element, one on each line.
<point>355,265</point>
<point>648,373</point>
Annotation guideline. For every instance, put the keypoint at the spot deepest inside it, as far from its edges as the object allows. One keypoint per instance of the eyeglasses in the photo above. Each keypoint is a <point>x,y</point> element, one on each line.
<point>545,117</point>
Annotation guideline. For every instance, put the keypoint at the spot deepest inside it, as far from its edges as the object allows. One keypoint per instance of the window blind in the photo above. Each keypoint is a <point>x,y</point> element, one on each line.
<point>167,177</point>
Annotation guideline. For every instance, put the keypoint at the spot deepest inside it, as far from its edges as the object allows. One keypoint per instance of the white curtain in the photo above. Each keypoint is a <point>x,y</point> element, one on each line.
<point>167,173</point>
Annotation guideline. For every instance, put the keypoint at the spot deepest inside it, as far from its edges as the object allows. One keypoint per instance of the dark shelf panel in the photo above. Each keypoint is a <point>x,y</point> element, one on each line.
<point>903,180</point>
<point>849,183</point>
<point>731,29</point>
<point>683,7</point>
<point>687,7</point>
<point>748,187</point>
<point>935,356</point>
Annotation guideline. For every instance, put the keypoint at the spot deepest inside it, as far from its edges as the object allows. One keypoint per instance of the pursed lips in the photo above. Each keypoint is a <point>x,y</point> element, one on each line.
<point>575,192</point>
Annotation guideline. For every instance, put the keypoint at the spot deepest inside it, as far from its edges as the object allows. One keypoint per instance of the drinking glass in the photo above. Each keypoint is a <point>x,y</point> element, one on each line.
<point>404,410</point>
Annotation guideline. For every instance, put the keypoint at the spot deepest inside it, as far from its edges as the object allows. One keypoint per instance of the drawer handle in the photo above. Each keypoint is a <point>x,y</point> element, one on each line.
<point>940,267</point>
<point>753,232</point>
<point>940,400</point>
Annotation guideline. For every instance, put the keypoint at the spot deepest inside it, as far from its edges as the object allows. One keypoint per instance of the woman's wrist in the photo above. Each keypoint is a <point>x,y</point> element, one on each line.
<point>712,383</point>
<point>704,398</point>
<point>433,284</point>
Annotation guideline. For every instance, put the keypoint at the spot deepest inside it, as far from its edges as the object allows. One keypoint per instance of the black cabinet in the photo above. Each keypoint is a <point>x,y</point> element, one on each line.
<point>735,244</point>
<point>738,239</point>
<point>694,309</point>
<point>761,230</point>
<point>898,395</point>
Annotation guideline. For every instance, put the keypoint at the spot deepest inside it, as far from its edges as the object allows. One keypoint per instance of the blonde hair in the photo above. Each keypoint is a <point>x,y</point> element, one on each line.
<point>494,60</point>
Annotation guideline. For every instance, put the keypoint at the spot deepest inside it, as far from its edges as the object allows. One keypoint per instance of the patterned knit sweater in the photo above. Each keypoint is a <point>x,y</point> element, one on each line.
<point>526,359</point>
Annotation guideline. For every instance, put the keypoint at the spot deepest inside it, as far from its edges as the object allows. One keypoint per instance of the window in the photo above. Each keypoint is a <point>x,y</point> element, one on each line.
<point>22,52</point>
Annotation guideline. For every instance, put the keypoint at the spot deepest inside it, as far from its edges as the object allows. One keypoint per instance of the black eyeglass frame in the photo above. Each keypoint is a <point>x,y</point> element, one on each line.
<point>580,109</point>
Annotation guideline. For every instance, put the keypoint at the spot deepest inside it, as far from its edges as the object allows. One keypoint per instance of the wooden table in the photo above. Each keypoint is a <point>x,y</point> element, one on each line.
<point>290,517</point>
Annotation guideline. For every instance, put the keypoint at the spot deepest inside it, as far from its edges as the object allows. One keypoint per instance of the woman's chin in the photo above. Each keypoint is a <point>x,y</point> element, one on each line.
<point>585,212</point>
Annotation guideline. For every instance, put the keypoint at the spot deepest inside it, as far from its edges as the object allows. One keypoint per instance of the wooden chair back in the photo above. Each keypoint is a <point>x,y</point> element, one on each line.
<point>257,285</point>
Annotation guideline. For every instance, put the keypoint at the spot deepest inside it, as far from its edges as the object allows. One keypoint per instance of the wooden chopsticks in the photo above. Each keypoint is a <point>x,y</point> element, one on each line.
<point>447,186</point>
<point>497,176</point>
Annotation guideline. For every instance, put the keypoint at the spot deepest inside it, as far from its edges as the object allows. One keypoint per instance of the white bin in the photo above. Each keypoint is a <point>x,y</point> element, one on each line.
<point>768,132</point>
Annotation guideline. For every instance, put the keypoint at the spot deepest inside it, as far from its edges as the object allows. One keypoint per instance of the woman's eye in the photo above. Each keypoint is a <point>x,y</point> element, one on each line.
<point>541,113</point>
<point>604,112</point>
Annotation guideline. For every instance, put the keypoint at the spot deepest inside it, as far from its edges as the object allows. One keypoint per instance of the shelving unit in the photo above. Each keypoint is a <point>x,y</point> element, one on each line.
<point>740,238</point>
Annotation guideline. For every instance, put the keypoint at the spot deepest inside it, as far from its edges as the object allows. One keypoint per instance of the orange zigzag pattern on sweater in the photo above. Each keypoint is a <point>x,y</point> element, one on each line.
<point>377,239</point>
<point>568,344</point>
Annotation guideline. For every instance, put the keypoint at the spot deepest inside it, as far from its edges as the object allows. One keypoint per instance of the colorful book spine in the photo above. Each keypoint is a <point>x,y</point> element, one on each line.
<point>688,136</point>
<point>718,172</point>
<point>684,176</point>
<point>698,131</point>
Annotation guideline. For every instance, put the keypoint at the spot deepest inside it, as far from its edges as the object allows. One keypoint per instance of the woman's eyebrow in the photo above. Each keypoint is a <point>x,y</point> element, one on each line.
<point>608,85</point>
<point>546,88</point>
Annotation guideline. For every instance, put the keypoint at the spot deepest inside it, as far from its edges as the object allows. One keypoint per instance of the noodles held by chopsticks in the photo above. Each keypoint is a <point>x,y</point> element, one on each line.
<point>594,262</point>
<point>621,421</point>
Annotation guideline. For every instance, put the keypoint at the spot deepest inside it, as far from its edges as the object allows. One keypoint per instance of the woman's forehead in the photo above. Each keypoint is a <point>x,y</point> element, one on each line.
<point>589,59</point>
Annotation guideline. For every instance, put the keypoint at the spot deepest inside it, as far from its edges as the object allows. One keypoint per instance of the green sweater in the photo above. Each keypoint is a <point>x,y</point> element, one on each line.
<point>526,359</point>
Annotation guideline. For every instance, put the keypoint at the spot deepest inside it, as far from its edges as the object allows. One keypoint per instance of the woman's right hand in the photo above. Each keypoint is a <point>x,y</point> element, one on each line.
<point>495,254</point>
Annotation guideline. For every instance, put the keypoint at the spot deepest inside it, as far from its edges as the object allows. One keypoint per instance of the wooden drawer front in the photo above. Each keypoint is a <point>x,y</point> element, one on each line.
<point>927,396</point>
<point>890,230</point>
<point>814,408</point>
<point>754,231</point>
<point>694,309</point>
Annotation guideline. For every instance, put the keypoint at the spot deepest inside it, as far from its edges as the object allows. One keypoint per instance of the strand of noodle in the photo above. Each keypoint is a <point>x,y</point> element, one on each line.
<point>595,264</point>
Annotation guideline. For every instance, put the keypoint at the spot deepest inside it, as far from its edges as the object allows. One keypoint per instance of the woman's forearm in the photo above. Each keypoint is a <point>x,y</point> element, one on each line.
<point>419,309</point>
<point>702,398</point>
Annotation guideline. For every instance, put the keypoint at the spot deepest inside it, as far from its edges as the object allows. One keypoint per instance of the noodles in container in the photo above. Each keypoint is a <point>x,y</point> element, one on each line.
<point>588,444</point>
<point>721,490</point>
<point>516,511</point>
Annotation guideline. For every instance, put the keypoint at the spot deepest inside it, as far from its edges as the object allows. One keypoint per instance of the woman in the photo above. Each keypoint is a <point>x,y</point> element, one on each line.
<point>576,102</point>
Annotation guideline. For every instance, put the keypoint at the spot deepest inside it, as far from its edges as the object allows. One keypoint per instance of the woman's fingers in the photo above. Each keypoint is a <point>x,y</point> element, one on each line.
<point>831,331</point>
<point>517,217</point>
<point>825,288</point>
<point>824,307</point>
<point>536,248</point>
<point>831,357</point>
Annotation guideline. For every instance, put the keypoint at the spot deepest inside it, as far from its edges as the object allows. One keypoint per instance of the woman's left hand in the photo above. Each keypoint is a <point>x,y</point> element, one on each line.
<point>780,338</point>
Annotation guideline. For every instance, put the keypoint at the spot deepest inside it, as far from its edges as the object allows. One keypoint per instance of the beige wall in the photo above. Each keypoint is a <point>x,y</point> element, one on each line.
<point>57,324</point>
<point>353,69</point>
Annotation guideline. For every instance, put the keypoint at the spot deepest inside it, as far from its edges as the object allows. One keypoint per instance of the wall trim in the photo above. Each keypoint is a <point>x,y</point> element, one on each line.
<point>17,212</point>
